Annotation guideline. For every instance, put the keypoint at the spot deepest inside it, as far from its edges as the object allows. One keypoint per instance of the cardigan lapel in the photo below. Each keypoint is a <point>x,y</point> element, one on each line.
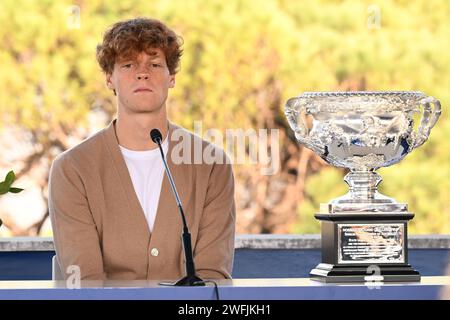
<point>167,212</point>
<point>136,214</point>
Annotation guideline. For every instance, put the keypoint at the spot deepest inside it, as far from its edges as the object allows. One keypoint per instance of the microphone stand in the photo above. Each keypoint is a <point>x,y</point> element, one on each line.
<point>191,278</point>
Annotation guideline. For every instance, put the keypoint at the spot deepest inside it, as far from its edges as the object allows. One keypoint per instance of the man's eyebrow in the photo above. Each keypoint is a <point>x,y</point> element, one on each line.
<point>154,55</point>
<point>126,59</point>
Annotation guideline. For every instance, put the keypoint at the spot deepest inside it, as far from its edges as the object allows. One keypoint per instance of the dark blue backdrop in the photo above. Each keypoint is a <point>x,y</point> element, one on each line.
<point>248,263</point>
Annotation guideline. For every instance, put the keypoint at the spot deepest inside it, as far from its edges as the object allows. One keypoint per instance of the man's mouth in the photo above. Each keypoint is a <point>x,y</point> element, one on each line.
<point>143,90</point>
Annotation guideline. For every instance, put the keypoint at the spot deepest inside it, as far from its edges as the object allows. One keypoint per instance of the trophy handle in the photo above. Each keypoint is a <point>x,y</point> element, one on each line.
<point>294,111</point>
<point>429,118</point>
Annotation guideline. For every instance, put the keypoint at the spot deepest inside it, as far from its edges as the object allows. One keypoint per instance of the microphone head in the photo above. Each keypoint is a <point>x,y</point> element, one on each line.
<point>155,135</point>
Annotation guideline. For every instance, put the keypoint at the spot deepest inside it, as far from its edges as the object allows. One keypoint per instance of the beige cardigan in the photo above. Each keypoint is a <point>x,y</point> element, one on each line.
<point>99,225</point>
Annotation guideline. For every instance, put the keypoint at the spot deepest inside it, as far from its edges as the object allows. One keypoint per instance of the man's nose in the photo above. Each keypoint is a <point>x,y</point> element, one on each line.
<point>142,72</point>
<point>142,76</point>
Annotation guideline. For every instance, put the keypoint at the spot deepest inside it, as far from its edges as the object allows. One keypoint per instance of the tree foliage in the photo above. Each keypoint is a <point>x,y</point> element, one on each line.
<point>242,60</point>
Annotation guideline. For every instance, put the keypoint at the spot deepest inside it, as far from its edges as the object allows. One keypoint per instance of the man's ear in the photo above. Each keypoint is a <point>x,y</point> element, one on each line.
<point>109,81</point>
<point>171,81</point>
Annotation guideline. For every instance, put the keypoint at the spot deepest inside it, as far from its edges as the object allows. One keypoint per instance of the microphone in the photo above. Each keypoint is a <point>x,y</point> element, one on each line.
<point>191,278</point>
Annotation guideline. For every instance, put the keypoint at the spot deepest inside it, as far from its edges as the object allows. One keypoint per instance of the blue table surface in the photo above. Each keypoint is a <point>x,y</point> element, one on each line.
<point>429,288</point>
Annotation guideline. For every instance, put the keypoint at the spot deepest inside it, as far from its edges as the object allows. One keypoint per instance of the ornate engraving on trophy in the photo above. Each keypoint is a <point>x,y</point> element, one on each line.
<point>362,131</point>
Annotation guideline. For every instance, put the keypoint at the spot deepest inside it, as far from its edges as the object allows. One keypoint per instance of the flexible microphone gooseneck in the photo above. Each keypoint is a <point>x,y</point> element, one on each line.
<point>191,278</point>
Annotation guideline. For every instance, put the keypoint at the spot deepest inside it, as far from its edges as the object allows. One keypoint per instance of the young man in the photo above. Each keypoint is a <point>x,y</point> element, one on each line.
<point>111,205</point>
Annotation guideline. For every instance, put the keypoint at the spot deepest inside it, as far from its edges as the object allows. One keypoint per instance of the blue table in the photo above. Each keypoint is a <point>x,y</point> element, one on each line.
<point>237,289</point>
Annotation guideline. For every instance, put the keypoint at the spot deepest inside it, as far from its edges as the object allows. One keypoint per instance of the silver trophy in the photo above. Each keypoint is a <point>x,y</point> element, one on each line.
<point>363,131</point>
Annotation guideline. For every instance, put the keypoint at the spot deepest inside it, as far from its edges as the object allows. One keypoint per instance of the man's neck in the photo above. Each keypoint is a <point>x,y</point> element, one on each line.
<point>133,131</point>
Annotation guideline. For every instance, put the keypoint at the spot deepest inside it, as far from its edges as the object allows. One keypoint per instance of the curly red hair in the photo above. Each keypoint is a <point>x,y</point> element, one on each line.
<point>126,39</point>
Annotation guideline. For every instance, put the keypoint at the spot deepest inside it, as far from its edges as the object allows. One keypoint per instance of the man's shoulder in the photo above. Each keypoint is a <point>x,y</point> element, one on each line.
<point>83,151</point>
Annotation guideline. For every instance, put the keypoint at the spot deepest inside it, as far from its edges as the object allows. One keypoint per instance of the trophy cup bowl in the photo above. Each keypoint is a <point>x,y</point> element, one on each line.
<point>362,131</point>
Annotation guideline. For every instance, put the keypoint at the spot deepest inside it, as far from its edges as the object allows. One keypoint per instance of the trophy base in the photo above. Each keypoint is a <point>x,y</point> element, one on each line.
<point>329,273</point>
<point>364,247</point>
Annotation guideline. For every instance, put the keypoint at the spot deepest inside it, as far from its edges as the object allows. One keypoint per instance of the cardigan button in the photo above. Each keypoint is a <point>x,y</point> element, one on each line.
<point>154,252</point>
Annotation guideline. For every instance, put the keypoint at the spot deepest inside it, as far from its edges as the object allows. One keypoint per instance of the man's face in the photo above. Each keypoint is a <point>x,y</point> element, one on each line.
<point>141,84</point>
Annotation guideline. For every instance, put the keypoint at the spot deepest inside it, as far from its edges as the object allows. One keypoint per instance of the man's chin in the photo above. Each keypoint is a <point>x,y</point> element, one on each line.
<point>147,108</point>
<point>141,107</point>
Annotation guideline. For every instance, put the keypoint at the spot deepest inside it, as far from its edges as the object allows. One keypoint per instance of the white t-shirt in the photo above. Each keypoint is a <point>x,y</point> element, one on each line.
<point>147,172</point>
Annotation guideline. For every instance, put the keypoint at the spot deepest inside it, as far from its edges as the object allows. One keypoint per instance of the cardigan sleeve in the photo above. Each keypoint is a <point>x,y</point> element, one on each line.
<point>74,231</point>
<point>214,249</point>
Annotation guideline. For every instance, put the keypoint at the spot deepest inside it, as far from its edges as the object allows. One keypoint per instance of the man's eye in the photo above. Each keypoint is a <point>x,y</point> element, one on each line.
<point>127,66</point>
<point>155,65</point>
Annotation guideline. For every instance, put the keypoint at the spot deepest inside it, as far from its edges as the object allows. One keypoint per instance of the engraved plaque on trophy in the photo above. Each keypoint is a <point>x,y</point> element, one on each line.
<point>371,243</point>
<point>363,131</point>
